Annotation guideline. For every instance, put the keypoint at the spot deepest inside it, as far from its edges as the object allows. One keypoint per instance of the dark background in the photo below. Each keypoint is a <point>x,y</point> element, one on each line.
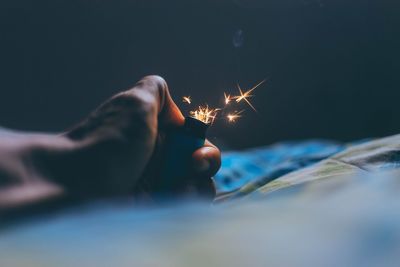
<point>333,66</point>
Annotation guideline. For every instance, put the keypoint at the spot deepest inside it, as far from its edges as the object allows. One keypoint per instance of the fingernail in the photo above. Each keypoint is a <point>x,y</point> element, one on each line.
<point>202,165</point>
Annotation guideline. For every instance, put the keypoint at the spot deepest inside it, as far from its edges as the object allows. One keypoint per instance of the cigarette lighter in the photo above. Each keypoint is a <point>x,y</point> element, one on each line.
<point>180,145</point>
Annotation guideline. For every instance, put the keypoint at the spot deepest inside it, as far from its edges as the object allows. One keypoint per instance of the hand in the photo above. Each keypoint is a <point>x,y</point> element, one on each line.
<point>114,152</point>
<point>120,145</point>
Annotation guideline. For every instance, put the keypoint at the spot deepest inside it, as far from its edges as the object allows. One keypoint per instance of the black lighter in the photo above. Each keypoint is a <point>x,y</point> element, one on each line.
<point>180,144</point>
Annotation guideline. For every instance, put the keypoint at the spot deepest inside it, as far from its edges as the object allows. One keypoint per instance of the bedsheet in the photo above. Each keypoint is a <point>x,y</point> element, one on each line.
<point>343,210</point>
<point>261,165</point>
<point>346,221</point>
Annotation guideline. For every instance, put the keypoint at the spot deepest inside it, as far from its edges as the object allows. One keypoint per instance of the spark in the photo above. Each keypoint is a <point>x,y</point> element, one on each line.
<point>232,117</point>
<point>205,114</point>
<point>187,99</point>
<point>208,115</point>
<point>245,95</point>
<point>228,98</point>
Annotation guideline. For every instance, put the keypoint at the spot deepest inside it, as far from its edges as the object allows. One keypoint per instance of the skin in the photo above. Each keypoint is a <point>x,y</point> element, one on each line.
<point>114,152</point>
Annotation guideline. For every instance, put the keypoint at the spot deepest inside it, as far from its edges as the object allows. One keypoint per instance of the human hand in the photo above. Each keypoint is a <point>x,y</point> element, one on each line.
<point>120,145</point>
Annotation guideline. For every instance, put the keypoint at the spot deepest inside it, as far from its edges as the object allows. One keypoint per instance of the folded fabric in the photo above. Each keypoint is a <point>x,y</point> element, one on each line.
<point>259,166</point>
<point>362,157</point>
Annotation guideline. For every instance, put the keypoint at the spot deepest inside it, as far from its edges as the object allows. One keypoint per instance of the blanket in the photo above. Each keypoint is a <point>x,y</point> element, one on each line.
<point>341,209</point>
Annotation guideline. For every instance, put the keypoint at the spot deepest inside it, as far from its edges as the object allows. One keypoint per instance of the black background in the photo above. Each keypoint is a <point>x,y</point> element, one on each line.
<point>332,66</point>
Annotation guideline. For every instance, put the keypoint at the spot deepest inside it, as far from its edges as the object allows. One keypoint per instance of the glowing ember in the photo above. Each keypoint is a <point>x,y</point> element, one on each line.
<point>208,115</point>
<point>187,99</point>
<point>228,98</point>
<point>232,117</point>
<point>245,95</point>
<point>205,114</point>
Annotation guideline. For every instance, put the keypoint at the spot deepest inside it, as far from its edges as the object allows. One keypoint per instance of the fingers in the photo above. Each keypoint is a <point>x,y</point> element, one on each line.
<point>207,160</point>
<point>153,94</point>
<point>153,90</point>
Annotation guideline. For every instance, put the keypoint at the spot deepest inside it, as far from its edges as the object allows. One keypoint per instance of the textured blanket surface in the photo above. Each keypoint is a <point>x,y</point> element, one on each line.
<point>343,210</point>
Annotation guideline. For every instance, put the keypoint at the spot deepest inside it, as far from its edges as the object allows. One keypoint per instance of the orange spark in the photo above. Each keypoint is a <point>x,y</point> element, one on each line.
<point>187,99</point>
<point>205,114</point>
<point>228,98</point>
<point>232,117</point>
<point>245,95</point>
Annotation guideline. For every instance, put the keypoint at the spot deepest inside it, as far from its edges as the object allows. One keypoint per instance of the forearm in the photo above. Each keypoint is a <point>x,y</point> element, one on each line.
<point>23,183</point>
<point>20,196</point>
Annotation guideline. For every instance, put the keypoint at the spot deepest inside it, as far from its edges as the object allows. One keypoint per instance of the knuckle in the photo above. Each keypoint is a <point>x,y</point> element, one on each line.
<point>136,102</point>
<point>158,81</point>
<point>156,84</point>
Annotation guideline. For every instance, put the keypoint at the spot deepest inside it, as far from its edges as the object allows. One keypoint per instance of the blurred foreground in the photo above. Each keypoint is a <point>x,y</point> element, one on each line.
<point>347,221</point>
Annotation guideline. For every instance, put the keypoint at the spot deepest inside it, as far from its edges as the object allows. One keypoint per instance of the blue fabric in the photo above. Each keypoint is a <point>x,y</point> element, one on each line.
<point>346,221</point>
<point>265,164</point>
<point>351,219</point>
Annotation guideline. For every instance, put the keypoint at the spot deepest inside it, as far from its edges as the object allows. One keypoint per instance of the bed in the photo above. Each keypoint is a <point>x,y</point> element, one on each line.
<point>311,203</point>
